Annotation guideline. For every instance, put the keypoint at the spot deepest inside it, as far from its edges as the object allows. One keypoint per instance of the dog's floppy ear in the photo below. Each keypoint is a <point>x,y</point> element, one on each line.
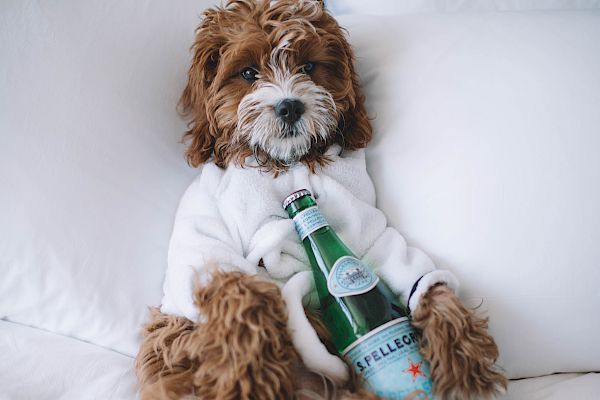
<point>202,134</point>
<point>354,126</point>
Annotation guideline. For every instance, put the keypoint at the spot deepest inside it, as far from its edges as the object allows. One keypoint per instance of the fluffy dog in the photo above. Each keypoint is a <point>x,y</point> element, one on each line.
<point>272,89</point>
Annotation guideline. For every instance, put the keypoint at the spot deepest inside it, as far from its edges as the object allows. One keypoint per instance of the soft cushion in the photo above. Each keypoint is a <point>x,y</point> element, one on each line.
<point>46,366</point>
<point>90,165</point>
<point>555,387</point>
<point>393,7</point>
<point>485,155</point>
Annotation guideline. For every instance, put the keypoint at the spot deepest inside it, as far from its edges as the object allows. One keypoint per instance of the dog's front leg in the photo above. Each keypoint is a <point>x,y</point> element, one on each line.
<point>458,347</point>
<point>242,348</point>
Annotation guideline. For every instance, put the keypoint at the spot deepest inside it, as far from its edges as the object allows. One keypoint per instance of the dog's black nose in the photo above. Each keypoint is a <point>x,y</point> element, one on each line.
<point>289,110</point>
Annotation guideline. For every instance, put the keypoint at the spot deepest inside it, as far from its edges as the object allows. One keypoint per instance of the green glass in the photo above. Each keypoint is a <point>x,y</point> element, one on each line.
<point>350,317</point>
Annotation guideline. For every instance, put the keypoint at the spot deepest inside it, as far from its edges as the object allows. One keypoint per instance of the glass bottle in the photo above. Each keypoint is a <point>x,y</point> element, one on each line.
<point>369,327</point>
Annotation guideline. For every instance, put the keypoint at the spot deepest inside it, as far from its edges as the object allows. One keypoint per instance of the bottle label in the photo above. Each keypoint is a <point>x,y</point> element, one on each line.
<point>349,276</point>
<point>388,359</point>
<point>309,220</point>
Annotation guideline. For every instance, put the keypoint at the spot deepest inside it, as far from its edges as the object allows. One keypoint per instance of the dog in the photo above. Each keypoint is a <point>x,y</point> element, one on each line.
<point>273,99</point>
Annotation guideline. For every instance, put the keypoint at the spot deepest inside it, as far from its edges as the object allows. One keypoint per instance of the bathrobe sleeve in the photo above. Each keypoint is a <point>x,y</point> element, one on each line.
<point>407,270</point>
<point>203,237</point>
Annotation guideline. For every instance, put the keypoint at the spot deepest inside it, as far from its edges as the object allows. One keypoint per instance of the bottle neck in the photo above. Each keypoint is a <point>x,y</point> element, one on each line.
<point>299,205</point>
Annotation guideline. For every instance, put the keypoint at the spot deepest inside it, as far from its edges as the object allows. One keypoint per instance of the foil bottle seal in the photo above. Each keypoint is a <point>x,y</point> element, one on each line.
<point>295,196</point>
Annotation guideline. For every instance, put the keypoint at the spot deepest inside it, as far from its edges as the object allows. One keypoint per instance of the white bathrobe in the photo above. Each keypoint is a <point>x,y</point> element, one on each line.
<point>234,217</point>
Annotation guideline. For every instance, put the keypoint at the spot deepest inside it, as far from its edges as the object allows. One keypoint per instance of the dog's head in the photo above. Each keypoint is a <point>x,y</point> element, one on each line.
<point>274,80</point>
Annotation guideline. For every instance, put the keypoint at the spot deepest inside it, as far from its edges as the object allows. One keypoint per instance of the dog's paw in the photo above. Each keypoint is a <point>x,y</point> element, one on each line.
<point>163,368</point>
<point>242,348</point>
<point>457,345</point>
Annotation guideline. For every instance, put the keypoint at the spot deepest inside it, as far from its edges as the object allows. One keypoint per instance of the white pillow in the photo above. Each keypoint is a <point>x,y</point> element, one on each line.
<point>394,7</point>
<point>486,154</point>
<point>91,169</point>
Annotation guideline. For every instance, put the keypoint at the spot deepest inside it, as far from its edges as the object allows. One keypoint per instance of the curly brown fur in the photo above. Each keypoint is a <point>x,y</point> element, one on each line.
<point>455,342</point>
<point>164,368</point>
<point>241,350</point>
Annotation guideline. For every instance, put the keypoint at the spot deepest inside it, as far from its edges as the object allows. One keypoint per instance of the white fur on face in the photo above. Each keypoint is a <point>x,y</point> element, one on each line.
<point>260,127</point>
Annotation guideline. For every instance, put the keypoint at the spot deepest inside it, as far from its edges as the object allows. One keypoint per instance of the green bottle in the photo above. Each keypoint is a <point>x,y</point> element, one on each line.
<point>370,328</point>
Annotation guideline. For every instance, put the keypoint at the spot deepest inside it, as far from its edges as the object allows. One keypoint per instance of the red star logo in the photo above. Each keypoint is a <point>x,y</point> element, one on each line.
<point>414,369</point>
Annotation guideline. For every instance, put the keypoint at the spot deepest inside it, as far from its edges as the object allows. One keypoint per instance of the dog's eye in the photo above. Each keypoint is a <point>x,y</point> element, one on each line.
<point>307,68</point>
<point>249,74</point>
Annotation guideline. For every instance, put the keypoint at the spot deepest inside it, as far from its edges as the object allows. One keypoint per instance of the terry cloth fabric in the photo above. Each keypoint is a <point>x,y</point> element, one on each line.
<point>233,217</point>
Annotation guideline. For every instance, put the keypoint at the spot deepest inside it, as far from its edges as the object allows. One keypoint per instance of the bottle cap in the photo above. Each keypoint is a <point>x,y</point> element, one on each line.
<point>295,196</point>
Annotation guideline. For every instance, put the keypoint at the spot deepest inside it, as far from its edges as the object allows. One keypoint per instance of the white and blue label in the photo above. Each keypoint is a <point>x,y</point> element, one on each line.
<point>349,276</point>
<point>388,359</point>
<point>309,220</point>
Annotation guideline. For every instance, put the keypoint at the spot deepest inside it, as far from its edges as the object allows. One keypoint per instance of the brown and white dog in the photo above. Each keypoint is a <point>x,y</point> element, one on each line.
<point>246,55</point>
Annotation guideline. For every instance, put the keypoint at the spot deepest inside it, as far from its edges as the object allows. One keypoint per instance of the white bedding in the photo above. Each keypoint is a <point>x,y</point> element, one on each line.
<point>40,365</point>
<point>396,7</point>
<point>485,155</point>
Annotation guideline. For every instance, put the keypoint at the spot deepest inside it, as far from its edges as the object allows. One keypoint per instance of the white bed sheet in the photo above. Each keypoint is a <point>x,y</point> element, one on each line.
<point>40,365</point>
<point>556,387</point>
